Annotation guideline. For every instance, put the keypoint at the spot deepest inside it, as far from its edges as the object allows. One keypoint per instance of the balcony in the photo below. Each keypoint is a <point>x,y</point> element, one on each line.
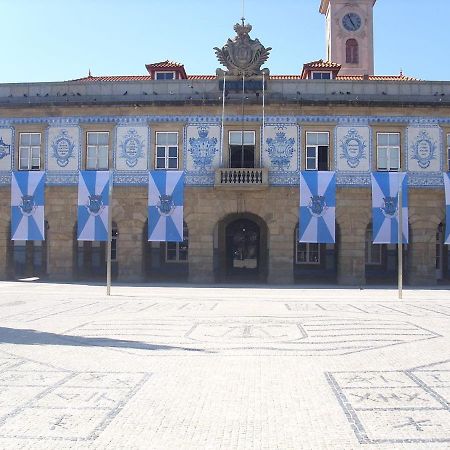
<point>248,179</point>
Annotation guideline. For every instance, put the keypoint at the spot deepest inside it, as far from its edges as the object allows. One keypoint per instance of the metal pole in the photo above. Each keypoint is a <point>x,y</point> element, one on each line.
<point>263,120</point>
<point>223,121</point>
<point>400,237</point>
<point>108,249</point>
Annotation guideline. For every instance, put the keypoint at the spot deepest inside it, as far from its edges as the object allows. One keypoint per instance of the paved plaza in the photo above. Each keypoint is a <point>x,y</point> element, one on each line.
<point>223,368</point>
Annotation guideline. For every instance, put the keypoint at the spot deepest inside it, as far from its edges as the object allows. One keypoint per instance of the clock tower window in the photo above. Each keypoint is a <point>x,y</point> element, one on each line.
<point>351,51</point>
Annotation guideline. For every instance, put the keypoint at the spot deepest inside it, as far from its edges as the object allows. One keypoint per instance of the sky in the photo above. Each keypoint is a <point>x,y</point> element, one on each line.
<point>57,40</point>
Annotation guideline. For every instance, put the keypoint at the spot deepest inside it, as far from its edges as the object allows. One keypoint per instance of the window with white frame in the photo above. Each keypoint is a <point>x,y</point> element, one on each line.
<point>307,253</point>
<point>448,152</point>
<point>177,252</point>
<point>388,152</point>
<point>164,75</point>
<point>317,148</point>
<point>97,145</point>
<point>242,149</point>
<point>30,151</point>
<point>321,75</point>
<point>373,251</point>
<point>166,150</point>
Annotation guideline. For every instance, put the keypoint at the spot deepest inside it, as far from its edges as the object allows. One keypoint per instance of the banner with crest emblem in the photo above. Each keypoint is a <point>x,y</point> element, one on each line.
<point>93,205</point>
<point>447,207</point>
<point>385,188</point>
<point>317,212</point>
<point>165,205</point>
<point>27,206</point>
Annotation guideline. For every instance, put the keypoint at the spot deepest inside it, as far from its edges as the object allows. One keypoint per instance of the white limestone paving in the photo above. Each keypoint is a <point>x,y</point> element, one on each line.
<point>223,367</point>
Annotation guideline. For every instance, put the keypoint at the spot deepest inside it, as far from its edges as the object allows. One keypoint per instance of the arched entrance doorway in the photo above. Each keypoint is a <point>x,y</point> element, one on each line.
<point>242,249</point>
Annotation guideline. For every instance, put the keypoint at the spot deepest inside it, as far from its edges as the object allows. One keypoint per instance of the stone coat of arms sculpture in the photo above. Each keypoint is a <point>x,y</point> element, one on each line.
<point>242,56</point>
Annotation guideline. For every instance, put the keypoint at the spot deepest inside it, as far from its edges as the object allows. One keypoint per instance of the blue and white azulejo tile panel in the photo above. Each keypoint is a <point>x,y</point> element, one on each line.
<point>63,148</point>
<point>281,148</point>
<point>202,149</point>
<point>424,148</point>
<point>353,148</point>
<point>131,149</point>
<point>6,148</point>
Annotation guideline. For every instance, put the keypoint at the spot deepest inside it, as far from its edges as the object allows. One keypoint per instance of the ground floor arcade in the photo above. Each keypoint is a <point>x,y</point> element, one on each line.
<point>231,236</point>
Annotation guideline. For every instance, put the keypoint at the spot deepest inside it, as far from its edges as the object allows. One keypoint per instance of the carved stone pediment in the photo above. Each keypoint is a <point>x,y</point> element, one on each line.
<point>242,56</point>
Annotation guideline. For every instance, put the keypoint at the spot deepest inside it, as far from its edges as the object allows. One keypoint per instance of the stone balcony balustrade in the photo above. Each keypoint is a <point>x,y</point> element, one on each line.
<point>242,178</point>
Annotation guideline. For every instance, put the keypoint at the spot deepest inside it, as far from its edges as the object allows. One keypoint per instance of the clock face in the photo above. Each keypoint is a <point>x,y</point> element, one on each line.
<point>351,22</point>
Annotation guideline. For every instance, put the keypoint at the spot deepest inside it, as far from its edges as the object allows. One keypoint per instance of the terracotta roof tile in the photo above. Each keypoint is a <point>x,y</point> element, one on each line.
<point>321,64</point>
<point>202,77</point>
<point>376,78</point>
<point>114,78</point>
<point>166,65</point>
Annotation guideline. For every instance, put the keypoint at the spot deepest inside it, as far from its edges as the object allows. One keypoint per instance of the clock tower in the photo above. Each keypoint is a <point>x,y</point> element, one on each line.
<point>349,34</point>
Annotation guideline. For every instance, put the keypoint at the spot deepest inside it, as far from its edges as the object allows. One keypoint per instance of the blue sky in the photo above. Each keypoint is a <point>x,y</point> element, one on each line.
<point>54,40</point>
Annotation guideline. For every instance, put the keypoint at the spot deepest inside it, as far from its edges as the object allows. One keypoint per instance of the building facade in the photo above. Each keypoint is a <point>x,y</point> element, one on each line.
<point>241,137</point>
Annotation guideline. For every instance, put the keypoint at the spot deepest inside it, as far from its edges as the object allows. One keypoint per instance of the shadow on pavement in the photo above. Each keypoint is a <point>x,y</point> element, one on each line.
<point>34,337</point>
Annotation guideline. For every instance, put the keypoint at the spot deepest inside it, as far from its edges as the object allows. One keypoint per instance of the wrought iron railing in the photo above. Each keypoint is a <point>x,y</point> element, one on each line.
<point>245,178</point>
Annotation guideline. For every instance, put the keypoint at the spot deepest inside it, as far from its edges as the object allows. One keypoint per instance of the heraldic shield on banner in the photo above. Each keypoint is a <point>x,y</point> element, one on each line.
<point>385,187</point>
<point>317,212</point>
<point>165,206</point>
<point>447,207</point>
<point>93,205</point>
<point>27,206</point>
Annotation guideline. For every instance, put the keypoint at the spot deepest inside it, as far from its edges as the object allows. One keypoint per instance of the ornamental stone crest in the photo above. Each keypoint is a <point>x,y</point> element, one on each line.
<point>5,149</point>
<point>27,206</point>
<point>424,150</point>
<point>132,148</point>
<point>242,56</point>
<point>353,148</point>
<point>203,149</point>
<point>63,148</point>
<point>280,150</point>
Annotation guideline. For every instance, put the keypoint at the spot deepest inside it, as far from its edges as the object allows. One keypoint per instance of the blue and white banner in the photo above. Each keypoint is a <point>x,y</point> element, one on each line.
<point>93,205</point>
<point>385,207</point>
<point>317,212</point>
<point>27,206</point>
<point>447,207</point>
<point>165,205</point>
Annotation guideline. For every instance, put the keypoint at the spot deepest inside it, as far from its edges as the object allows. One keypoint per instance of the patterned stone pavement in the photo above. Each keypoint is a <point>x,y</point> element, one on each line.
<point>223,368</point>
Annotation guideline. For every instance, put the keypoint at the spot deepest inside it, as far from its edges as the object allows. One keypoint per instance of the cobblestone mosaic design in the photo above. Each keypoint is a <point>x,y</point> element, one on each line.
<point>396,406</point>
<point>73,406</point>
<point>311,336</point>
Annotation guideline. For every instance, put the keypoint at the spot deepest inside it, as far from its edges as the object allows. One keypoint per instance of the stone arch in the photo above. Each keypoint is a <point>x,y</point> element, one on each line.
<point>227,263</point>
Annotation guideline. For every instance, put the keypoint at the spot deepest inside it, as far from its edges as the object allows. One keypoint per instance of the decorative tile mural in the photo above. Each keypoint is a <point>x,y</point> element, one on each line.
<point>63,148</point>
<point>131,148</point>
<point>424,147</point>
<point>353,148</point>
<point>6,148</point>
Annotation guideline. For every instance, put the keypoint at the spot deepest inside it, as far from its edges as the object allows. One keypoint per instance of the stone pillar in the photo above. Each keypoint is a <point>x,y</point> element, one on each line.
<point>61,214</point>
<point>201,264</point>
<point>281,255</point>
<point>426,211</point>
<point>4,240</point>
<point>353,215</point>
<point>130,250</point>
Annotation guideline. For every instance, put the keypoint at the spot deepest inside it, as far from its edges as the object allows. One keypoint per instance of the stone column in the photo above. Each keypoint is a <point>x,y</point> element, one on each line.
<point>426,211</point>
<point>130,250</point>
<point>353,207</point>
<point>281,264</point>
<point>4,240</point>
<point>201,264</point>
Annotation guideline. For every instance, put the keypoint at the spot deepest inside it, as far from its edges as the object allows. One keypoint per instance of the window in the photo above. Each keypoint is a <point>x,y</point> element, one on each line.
<point>177,252</point>
<point>29,151</point>
<point>164,75</point>
<point>317,145</point>
<point>448,152</point>
<point>373,251</point>
<point>97,150</point>
<point>388,151</point>
<point>166,150</point>
<point>242,149</point>
<point>321,75</point>
<point>307,253</point>
<point>351,52</point>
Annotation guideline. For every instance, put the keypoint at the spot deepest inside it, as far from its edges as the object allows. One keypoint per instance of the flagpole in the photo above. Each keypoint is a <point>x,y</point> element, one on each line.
<point>108,249</point>
<point>263,120</point>
<point>400,237</point>
<point>223,120</point>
